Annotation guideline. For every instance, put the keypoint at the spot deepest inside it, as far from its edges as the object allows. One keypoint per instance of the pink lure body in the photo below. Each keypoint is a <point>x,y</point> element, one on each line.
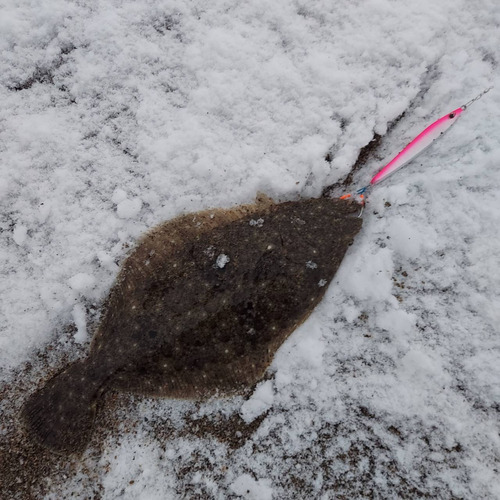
<point>419,144</point>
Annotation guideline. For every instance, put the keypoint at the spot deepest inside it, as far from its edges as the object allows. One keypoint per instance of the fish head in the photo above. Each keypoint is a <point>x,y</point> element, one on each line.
<point>321,229</point>
<point>340,219</point>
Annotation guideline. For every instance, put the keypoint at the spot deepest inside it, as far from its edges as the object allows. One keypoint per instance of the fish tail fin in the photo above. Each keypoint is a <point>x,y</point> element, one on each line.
<point>60,416</point>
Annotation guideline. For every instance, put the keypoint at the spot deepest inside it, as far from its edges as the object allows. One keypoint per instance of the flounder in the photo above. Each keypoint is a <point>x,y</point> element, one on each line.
<point>199,309</point>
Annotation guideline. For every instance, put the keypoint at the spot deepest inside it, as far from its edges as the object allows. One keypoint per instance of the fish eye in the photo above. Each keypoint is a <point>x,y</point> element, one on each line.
<point>452,115</point>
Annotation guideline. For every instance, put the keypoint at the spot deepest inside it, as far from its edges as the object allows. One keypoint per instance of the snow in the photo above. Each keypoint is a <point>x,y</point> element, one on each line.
<point>82,282</point>
<point>258,222</point>
<point>222,260</point>
<point>4,188</point>
<point>119,195</point>
<point>80,323</point>
<point>260,402</point>
<point>20,234</point>
<point>247,487</point>
<point>128,209</point>
<point>107,261</point>
<point>117,116</point>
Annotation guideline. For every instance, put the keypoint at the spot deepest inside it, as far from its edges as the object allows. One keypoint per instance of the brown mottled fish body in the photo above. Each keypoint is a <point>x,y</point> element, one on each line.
<point>200,308</point>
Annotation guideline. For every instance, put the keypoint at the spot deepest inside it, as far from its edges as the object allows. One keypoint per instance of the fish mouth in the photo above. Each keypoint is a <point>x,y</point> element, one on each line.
<point>355,209</point>
<point>362,208</point>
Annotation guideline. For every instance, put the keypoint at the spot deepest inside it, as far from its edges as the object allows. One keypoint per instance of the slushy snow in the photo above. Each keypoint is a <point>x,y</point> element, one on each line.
<point>116,116</point>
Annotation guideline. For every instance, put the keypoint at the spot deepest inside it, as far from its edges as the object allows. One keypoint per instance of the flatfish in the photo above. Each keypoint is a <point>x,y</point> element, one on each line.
<point>199,309</point>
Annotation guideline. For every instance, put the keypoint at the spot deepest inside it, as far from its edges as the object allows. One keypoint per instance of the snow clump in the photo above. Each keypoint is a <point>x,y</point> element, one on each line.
<point>128,209</point>
<point>82,282</point>
<point>222,260</point>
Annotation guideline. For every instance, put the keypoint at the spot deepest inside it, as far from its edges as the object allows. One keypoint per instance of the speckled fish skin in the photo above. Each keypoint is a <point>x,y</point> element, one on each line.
<point>199,309</point>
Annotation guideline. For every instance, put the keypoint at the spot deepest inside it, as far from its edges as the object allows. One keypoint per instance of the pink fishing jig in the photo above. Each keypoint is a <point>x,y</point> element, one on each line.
<point>416,147</point>
<point>423,141</point>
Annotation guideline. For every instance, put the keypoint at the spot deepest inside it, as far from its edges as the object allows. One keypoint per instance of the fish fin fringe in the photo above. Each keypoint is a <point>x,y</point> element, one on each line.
<point>60,416</point>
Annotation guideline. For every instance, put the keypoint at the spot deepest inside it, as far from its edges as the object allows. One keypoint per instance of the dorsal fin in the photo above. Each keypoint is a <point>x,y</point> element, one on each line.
<point>263,201</point>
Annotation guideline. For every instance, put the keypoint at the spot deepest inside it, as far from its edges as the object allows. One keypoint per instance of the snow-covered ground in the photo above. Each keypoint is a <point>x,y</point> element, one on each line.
<point>115,116</point>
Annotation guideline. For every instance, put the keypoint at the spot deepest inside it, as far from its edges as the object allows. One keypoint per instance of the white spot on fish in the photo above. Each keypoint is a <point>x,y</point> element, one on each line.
<point>322,282</point>
<point>210,251</point>
<point>311,265</point>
